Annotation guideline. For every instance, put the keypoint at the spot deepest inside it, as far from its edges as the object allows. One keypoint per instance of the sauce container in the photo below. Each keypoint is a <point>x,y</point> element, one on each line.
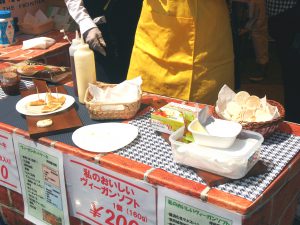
<point>10,83</point>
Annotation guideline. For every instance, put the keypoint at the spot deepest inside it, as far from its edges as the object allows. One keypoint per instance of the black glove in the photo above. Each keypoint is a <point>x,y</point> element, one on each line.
<point>94,39</point>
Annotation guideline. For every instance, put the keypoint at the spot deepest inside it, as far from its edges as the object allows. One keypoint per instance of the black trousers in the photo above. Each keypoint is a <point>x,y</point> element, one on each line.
<point>239,17</point>
<point>119,31</point>
<point>285,29</point>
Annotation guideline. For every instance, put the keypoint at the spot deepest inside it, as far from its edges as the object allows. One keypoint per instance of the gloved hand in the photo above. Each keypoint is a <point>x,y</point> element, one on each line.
<point>94,39</point>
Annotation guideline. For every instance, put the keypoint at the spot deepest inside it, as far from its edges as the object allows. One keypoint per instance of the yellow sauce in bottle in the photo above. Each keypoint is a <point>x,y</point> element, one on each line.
<point>84,61</point>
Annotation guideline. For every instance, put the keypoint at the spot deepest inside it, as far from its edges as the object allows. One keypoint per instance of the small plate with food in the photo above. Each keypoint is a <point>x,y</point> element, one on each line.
<point>44,70</point>
<point>28,70</point>
<point>34,70</point>
<point>44,104</point>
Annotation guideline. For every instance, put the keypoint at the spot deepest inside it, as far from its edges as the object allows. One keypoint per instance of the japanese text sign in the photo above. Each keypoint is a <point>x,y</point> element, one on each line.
<point>100,196</point>
<point>42,181</point>
<point>175,208</point>
<point>9,176</point>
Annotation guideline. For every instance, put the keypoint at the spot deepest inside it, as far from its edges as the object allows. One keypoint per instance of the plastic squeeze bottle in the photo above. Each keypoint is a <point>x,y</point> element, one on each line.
<point>84,61</point>
<point>74,45</point>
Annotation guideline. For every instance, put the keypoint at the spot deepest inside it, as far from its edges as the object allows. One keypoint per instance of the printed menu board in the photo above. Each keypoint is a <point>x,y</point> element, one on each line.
<point>175,208</point>
<point>9,175</point>
<point>101,196</point>
<point>42,182</point>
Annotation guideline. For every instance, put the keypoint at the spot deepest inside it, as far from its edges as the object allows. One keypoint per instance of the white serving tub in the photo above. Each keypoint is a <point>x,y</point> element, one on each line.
<point>221,133</point>
<point>234,162</point>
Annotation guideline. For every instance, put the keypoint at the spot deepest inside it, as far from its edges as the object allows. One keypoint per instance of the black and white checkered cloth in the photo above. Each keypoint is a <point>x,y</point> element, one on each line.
<point>275,7</point>
<point>23,85</point>
<point>151,149</point>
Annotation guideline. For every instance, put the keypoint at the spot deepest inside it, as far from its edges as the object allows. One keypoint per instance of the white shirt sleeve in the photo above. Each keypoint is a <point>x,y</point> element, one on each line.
<point>80,15</point>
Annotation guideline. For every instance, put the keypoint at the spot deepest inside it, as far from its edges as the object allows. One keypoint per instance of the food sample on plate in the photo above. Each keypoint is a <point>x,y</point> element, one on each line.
<point>50,107</point>
<point>49,104</point>
<point>27,70</point>
<point>55,100</point>
<point>37,102</point>
<point>42,70</point>
<point>35,70</point>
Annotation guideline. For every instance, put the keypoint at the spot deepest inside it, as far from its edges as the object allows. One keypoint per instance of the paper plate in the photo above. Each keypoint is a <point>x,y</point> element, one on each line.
<point>104,137</point>
<point>22,108</point>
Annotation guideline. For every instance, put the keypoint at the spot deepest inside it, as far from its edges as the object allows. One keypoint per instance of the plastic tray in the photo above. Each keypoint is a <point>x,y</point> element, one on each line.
<point>234,162</point>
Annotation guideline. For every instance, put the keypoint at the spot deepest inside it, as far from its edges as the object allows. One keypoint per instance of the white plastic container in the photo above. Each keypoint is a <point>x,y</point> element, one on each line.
<point>234,162</point>
<point>84,61</point>
<point>220,133</point>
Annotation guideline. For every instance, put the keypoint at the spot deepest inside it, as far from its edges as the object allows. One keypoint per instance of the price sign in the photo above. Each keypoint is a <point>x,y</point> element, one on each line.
<point>100,196</point>
<point>9,176</point>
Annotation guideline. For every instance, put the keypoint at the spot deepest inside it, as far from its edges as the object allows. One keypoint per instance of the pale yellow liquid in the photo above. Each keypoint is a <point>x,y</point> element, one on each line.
<point>84,61</point>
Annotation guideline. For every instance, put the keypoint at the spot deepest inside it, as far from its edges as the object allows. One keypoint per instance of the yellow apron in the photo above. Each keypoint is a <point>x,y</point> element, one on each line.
<point>183,49</point>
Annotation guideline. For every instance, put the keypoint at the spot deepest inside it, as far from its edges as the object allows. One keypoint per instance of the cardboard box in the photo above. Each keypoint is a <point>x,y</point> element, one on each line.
<point>172,116</point>
<point>36,30</point>
<point>20,8</point>
<point>61,17</point>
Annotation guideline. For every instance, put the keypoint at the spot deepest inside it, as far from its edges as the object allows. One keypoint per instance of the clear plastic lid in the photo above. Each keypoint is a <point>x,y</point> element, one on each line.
<point>245,144</point>
<point>234,162</point>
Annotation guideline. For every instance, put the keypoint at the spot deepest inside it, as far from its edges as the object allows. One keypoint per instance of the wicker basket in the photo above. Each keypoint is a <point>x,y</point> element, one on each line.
<point>103,111</point>
<point>264,128</point>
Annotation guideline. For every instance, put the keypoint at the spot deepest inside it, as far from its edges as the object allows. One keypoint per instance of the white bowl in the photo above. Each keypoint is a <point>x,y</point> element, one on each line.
<point>220,133</point>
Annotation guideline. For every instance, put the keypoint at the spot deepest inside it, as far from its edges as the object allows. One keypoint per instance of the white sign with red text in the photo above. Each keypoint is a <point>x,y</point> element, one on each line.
<point>42,181</point>
<point>176,208</point>
<point>9,175</point>
<point>100,196</point>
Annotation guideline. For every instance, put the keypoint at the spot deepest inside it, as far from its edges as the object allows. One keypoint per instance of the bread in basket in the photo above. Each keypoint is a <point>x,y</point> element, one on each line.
<point>265,128</point>
<point>103,111</point>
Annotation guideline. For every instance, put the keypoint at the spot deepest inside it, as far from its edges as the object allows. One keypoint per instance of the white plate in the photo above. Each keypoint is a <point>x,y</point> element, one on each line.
<point>104,137</point>
<point>21,105</point>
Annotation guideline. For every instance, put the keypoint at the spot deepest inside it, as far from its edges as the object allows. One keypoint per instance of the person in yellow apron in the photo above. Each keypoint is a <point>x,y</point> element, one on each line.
<point>183,49</point>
